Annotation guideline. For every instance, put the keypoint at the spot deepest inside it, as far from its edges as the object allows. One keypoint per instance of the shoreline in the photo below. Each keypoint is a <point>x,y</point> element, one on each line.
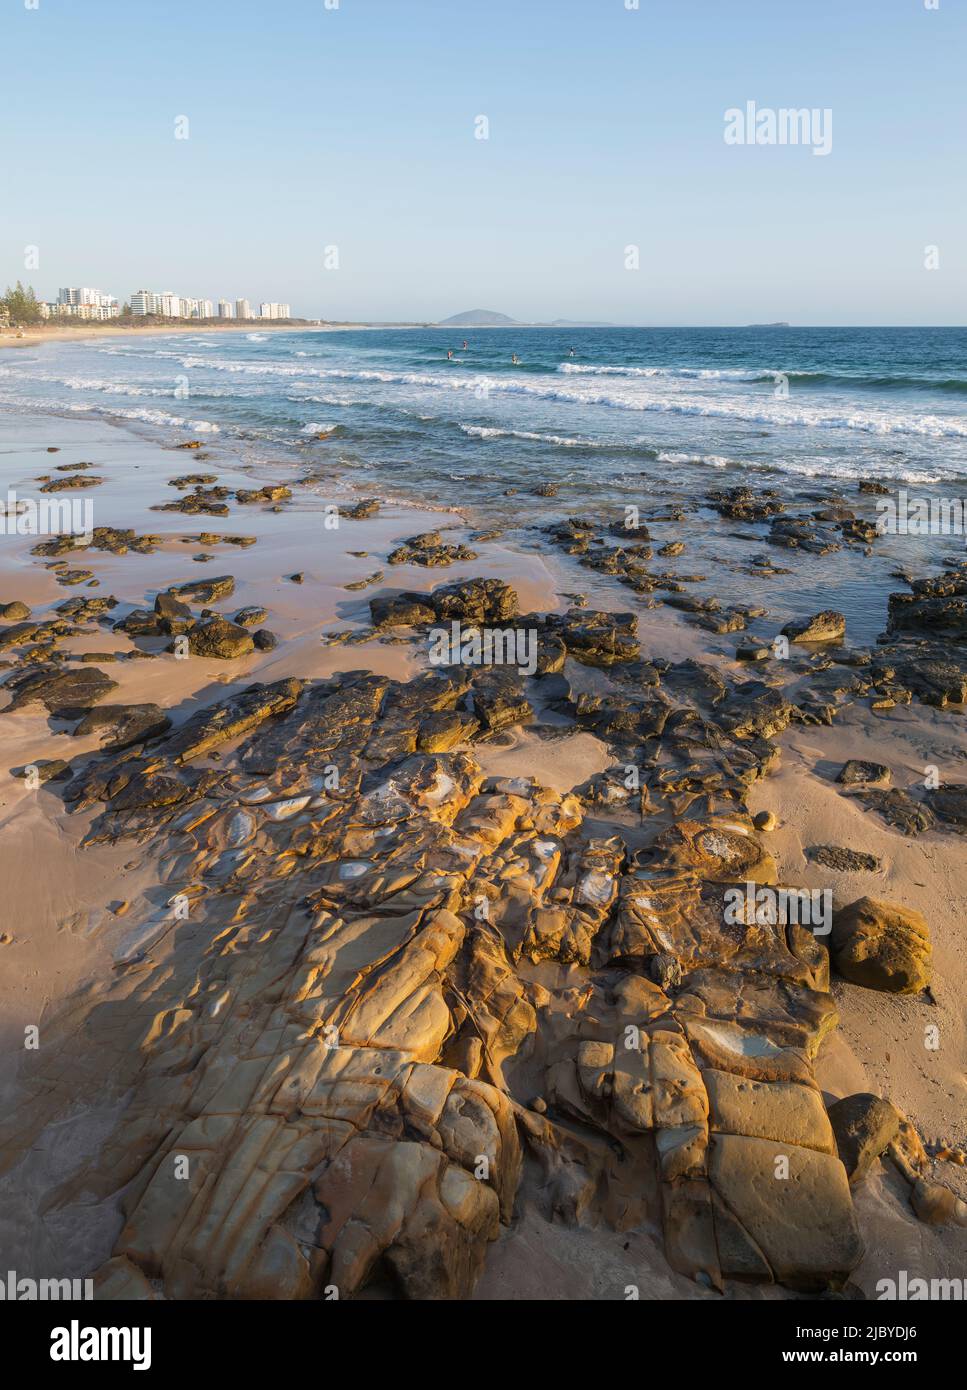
<point>54,958</point>
<point>36,337</point>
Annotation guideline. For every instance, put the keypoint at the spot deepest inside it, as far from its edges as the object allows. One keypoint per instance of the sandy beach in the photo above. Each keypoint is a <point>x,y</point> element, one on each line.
<point>87,333</point>
<point>71,907</point>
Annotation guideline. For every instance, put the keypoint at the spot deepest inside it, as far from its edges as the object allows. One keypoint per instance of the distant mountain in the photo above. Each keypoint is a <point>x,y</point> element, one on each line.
<point>768,325</point>
<point>477,318</point>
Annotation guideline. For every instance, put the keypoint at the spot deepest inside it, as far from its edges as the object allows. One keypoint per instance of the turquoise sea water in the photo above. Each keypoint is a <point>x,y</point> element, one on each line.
<point>599,412</point>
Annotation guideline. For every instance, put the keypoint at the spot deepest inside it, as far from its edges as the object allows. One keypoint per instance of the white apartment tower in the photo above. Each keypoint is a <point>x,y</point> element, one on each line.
<point>243,309</point>
<point>145,302</point>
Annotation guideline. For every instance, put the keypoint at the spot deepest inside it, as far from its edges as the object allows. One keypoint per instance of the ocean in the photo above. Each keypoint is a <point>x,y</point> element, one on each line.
<point>600,413</point>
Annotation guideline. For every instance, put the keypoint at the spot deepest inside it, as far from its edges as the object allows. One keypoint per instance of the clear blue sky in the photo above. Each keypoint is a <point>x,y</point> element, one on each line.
<point>355,127</point>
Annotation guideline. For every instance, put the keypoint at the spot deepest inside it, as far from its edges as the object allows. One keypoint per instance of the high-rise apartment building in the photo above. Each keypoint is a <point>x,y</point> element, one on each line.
<point>145,302</point>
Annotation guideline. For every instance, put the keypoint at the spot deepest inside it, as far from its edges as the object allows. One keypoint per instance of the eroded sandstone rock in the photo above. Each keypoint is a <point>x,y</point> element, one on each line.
<point>882,946</point>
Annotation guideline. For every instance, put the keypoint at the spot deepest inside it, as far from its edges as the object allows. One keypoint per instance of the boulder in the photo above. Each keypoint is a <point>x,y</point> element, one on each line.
<point>828,626</point>
<point>882,946</point>
<point>864,1126</point>
<point>220,638</point>
<point>401,610</point>
<point>251,617</point>
<point>166,605</point>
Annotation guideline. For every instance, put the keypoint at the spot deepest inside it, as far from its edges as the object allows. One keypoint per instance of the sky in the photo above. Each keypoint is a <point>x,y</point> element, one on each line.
<point>353,124</point>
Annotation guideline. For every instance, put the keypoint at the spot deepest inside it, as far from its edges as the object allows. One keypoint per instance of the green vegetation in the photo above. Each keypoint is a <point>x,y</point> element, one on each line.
<point>20,305</point>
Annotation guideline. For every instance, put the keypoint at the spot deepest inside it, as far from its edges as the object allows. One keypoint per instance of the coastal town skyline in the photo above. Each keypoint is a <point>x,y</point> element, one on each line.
<point>83,302</point>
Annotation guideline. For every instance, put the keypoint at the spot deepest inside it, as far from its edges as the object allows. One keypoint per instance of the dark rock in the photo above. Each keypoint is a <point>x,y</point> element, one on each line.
<point>48,770</point>
<point>474,601</point>
<point>124,724</point>
<point>804,533</point>
<point>270,493</point>
<point>239,715</point>
<point>828,626</point>
<point>900,810</point>
<point>57,690</point>
<point>205,590</point>
<point>72,484</point>
<point>596,638</point>
<point>745,503</point>
<point>220,638</point>
<point>855,771</point>
<point>19,634</point>
<point>429,550</point>
<point>844,860</point>
<point>499,700</point>
<point>167,606</point>
<point>446,729</point>
<point>401,610</point>
<point>251,617</point>
<point>362,510</point>
<point>201,502</point>
<point>949,802</point>
<point>140,622</point>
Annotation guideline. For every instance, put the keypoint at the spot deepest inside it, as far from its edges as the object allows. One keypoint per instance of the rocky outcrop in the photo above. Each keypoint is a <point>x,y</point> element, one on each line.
<point>326,1070</point>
